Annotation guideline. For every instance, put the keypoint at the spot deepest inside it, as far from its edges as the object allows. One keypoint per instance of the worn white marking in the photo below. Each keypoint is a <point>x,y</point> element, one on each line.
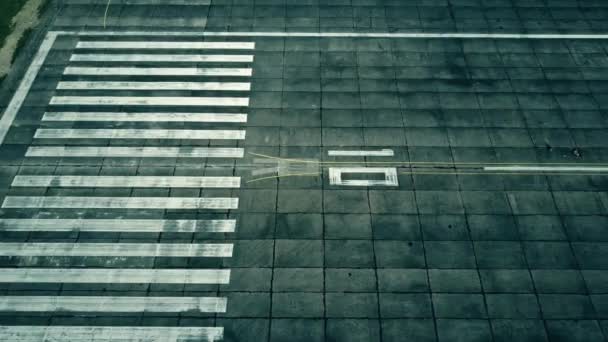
<point>195,86</point>
<point>378,153</point>
<point>390,174</point>
<point>122,225</point>
<point>149,101</point>
<point>516,168</point>
<point>127,181</point>
<point>421,35</point>
<point>138,71</point>
<point>139,45</point>
<point>145,117</point>
<point>177,250</point>
<point>134,152</point>
<point>111,304</point>
<point>184,134</point>
<point>24,86</point>
<point>109,334</point>
<point>118,276</point>
<point>161,58</point>
<point>120,202</point>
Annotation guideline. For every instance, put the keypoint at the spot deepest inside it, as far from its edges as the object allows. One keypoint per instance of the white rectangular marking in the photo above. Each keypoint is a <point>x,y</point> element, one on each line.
<point>120,276</point>
<point>23,90</point>
<point>127,181</point>
<point>109,334</point>
<point>516,168</point>
<point>112,304</point>
<point>130,45</point>
<point>175,250</point>
<point>120,202</point>
<point>145,117</point>
<point>134,152</point>
<point>178,134</point>
<point>379,153</point>
<point>192,86</point>
<point>161,58</point>
<point>122,225</point>
<point>149,101</point>
<point>390,174</point>
<point>138,71</point>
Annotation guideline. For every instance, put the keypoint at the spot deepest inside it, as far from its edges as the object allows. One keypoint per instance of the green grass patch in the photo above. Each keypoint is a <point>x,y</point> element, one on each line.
<point>8,9</point>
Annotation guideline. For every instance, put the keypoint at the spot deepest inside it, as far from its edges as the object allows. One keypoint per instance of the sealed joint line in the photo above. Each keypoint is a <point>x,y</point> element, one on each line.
<point>145,117</point>
<point>60,202</point>
<point>161,58</point>
<point>176,134</point>
<point>127,181</point>
<point>175,250</point>
<point>183,101</point>
<point>188,86</point>
<point>139,45</point>
<point>108,304</point>
<point>107,334</point>
<point>336,176</point>
<point>139,71</point>
<point>377,153</point>
<point>520,168</point>
<point>119,276</point>
<point>122,226</point>
<point>134,152</point>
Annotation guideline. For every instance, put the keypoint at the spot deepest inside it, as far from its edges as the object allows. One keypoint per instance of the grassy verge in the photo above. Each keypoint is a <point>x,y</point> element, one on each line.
<point>8,9</point>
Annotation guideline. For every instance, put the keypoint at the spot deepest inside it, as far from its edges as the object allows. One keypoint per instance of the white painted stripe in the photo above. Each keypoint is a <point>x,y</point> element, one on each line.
<point>111,304</point>
<point>161,58</point>
<point>378,153</point>
<point>119,225</point>
<point>134,152</point>
<point>130,45</point>
<point>24,86</point>
<point>184,134</point>
<point>109,334</point>
<point>390,174</point>
<point>145,117</point>
<point>119,276</point>
<point>195,86</point>
<point>127,181</point>
<point>423,35</point>
<point>175,250</point>
<point>120,202</point>
<point>516,168</point>
<point>149,101</point>
<point>137,71</point>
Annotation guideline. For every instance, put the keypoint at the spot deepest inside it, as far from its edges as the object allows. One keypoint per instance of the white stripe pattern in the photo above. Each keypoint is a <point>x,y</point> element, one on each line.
<point>134,152</point>
<point>183,101</point>
<point>176,250</point>
<point>196,86</point>
<point>107,276</point>
<point>58,202</point>
<point>138,71</point>
<point>139,45</point>
<point>112,304</point>
<point>145,117</point>
<point>109,334</point>
<point>109,225</point>
<point>127,181</point>
<point>193,134</point>
<point>161,58</point>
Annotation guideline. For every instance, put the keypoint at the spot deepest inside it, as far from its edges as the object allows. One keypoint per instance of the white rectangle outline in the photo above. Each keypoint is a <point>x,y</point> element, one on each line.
<point>351,153</point>
<point>390,176</point>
